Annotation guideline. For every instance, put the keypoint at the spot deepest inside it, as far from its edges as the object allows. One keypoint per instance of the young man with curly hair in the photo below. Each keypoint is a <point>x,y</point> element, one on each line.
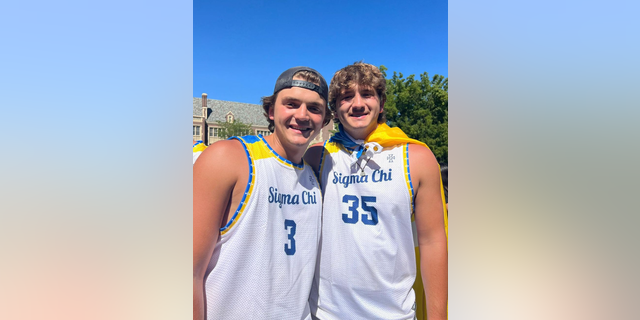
<point>374,181</point>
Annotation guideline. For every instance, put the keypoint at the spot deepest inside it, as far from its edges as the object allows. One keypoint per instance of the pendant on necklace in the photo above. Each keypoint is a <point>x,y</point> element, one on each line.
<point>362,173</point>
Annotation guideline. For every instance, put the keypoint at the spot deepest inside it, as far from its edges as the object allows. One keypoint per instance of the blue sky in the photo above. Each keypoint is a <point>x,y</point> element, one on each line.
<point>241,47</point>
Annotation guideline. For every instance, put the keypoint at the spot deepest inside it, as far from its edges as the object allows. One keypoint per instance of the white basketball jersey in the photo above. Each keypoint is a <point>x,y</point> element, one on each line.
<point>263,265</point>
<point>366,267</point>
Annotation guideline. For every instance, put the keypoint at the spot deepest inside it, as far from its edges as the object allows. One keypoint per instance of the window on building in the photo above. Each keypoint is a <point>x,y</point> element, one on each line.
<point>230,118</point>
<point>264,133</point>
<point>196,130</point>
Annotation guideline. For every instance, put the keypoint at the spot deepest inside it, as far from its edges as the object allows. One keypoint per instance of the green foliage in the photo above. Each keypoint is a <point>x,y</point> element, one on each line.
<point>420,109</point>
<point>235,128</point>
<point>335,129</point>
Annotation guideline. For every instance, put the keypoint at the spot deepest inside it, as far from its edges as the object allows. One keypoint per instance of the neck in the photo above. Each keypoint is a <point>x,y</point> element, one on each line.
<point>292,154</point>
<point>361,133</point>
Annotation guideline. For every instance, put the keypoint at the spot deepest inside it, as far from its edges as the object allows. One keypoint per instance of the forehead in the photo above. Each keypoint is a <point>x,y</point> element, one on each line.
<point>300,94</point>
<point>352,87</point>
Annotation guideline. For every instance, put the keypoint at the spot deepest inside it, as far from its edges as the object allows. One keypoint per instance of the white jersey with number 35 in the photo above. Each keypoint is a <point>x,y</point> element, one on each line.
<point>367,265</point>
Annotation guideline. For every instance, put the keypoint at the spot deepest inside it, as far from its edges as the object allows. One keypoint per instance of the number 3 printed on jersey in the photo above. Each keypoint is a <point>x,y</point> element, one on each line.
<point>354,215</point>
<point>290,248</point>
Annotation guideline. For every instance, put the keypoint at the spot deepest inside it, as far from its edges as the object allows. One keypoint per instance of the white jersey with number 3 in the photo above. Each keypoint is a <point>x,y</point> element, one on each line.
<point>263,264</point>
<point>366,267</point>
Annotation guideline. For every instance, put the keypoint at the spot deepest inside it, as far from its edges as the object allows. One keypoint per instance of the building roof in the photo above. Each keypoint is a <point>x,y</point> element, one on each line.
<point>246,113</point>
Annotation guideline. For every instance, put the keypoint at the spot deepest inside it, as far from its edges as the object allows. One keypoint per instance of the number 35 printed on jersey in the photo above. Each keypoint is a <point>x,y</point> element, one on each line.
<point>370,217</point>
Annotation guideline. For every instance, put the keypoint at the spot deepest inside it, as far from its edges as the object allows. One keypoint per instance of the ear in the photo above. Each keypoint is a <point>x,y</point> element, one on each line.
<point>382,104</point>
<point>271,113</point>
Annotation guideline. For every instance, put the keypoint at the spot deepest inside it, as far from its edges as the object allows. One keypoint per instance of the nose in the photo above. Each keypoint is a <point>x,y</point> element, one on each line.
<point>302,113</point>
<point>357,100</point>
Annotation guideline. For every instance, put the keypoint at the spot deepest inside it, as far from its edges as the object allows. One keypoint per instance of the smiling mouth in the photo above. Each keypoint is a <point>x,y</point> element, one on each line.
<point>359,116</point>
<point>300,129</point>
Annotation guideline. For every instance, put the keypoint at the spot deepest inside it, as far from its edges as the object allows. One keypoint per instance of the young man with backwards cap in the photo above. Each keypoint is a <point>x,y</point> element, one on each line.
<point>374,178</point>
<point>257,211</point>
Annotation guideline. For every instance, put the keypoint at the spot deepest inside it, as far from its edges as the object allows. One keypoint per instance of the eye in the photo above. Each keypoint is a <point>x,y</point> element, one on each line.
<point>315,109</point>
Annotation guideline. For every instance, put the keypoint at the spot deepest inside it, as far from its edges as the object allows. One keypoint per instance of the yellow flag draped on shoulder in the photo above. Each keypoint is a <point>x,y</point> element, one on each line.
<point>387,136</point>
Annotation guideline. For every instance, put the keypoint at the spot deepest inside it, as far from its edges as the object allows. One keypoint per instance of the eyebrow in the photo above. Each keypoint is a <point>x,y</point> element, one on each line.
<point>312,103</point>
<point>361,86</point>
<point>366,89</point>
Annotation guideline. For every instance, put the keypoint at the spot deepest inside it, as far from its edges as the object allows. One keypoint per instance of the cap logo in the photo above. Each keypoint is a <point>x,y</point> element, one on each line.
<point>286,81</point>
<point>304,84</point>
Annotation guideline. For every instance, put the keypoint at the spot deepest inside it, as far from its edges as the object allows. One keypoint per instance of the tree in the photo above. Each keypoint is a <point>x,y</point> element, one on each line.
<point>420,109</point>
<point>235,128</point>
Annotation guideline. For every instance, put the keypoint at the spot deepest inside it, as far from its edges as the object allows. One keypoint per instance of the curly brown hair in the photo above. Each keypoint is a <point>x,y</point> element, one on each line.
<point>269,101</point>
<point>362,74</point>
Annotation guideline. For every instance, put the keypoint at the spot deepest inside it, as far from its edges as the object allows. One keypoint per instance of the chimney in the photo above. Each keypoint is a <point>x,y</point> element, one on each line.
<point>204,105</point>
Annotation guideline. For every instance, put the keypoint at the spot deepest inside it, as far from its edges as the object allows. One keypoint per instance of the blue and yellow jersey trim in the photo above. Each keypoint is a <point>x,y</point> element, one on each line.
<point>199,146</point>
<point>407,175</point>
<point>262,154</point>
<point>249,188</point>
<point>333,146</point>
<point>260,149</point>
<point>329,147</point>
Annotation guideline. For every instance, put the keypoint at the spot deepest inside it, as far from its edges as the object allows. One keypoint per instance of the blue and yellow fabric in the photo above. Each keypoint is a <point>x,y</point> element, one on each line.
<point>198,147</point>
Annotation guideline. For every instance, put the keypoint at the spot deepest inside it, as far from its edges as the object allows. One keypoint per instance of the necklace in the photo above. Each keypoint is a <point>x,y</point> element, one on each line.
<point>363,155</point>
<point>362,168</point>
<point>368,150</point>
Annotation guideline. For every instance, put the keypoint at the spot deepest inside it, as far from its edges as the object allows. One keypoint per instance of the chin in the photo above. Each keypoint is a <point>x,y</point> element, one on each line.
<point>300,140</point>
<point>358,124</point>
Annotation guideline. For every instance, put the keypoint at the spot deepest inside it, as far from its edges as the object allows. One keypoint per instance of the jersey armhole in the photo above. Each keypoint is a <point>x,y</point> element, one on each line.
<point>247,191</point>
<point>407,173</point>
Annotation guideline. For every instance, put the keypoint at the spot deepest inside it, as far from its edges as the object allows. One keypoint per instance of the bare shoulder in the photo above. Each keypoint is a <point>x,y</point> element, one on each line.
<point>220,167</point>
<point>313,154</point>
<point>227,154</point>
<point>422,161</point>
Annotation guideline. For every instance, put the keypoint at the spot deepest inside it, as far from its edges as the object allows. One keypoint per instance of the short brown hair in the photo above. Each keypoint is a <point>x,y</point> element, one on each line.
<point>362,74</point>
<point>270,101</point>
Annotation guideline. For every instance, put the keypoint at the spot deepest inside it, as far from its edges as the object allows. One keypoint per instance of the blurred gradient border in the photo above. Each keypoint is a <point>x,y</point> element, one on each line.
<point>96,215</point>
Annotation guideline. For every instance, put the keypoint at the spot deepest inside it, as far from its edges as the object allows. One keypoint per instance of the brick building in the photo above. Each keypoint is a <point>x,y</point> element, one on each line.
<point>207,113</point>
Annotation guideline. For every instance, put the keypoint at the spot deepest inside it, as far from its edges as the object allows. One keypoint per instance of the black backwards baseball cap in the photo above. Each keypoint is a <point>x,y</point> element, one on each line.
<point>285,80</point>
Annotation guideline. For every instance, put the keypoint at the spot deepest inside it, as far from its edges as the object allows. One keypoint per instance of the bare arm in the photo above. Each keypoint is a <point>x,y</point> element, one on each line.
<point>432,239</point>
<point>214,176</point>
